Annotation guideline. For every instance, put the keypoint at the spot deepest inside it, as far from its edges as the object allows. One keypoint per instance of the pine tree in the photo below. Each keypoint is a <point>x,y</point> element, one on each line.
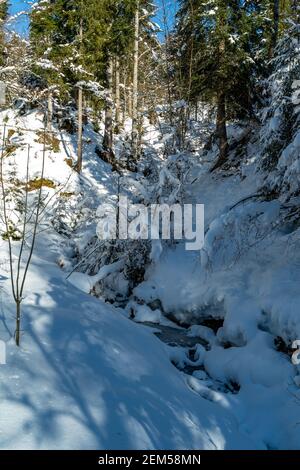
<point>224,38</point>
<point>3,17</point>
<point>135,82</point>
<point>280,117</point>
<point>3,9</point>
<point>78,43</point>
<point>143,35</point>
<point>54,36</point>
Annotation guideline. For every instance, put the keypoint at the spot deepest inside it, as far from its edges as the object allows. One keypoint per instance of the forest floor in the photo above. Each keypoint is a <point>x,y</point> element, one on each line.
<point>207,368</point>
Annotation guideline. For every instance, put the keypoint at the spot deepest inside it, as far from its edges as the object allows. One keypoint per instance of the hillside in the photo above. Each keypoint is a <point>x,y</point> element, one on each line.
<point>150,227</point>
<point>85,365</point>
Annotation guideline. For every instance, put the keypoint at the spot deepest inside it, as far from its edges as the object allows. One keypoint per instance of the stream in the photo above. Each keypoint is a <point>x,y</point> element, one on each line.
<point>176,336</point>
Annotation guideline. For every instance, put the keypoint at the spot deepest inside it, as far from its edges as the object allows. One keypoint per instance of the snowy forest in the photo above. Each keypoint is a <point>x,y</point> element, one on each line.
<point>142,341</point>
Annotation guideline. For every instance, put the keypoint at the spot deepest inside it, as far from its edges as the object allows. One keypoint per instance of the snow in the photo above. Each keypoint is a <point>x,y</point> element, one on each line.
<point>248,275</point>
<point>85,283</point>
<point>83,379</point>
<point>145,314</point>
<point>88,377</point>
<point>203,332</point>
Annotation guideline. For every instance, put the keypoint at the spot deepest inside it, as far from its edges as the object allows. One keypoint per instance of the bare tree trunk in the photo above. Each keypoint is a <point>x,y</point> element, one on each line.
<point>129,95</point>
<point>295,9</point>
<point>50,111</point>
<point>221,131</point>
<point>276,21</point>
<point>80,130</point>
<point>276,17</point>
<point>167,54</point>
<point>187,114</point>
<point>80,115</point>
<point>18,280</point>
<point>221,106</point>
<point>108,132</point>
<point>118,101</point>
<point>221,127</point>
<point>135,136</point>
<point>125,107</point>
<point>18,322</point>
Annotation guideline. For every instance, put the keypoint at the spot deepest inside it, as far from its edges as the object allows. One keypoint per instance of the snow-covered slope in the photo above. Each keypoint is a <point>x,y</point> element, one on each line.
<point>86,376</point>
<point>247,279</point>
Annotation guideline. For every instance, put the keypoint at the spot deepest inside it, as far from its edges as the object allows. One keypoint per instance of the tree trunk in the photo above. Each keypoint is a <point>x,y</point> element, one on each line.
<point>125,107</point>
<point>50,111</point>
<point>135,135</point>
<point>276,17</point>
<point>296,10</point>
<point>221,127</point>
<point>117,116</point>
<point>221,131</point>
<point>80,130</point>
<point>129,95</point>
<point>108,132</point>
<point>80,115</point>
<point>18,323</point>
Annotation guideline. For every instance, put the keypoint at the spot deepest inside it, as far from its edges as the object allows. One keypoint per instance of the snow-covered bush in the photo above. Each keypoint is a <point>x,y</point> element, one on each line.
<point>280,133</point>
<point>163,185</point>
<point>118,285</point>
<point>232,234</point>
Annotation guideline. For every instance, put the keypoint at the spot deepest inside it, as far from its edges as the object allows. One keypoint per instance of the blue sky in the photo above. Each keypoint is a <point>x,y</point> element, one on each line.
<point>170,7</point>
<point>21,25</point>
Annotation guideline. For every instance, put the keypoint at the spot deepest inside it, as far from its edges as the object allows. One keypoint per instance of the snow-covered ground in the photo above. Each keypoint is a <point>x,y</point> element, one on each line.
<point>256,293</point>
<point>87,376</point>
